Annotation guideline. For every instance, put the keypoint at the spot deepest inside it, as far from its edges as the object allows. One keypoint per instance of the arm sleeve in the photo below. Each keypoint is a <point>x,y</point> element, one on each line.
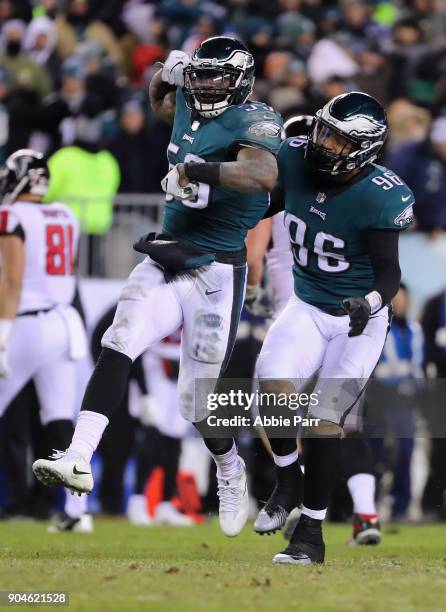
<point>383,252</point>
<point>277,202</point>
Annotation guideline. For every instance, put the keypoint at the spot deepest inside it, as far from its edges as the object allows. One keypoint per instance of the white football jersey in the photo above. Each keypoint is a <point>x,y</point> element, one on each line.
<point>51,238</point>
<point>280,262</point>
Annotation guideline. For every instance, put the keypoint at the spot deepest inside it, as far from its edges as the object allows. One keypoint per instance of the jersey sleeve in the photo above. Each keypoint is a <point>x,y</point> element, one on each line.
<point>256,126</point>
<point>10,225</point>
<point>289,157</point>
<point>392,201</point>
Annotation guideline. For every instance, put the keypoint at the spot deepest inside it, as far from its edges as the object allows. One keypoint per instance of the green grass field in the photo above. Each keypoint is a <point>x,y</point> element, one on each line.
<point>125,568</point>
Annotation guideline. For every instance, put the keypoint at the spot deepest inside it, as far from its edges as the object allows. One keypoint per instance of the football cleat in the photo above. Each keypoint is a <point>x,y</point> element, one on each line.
<point>81,524</point>
<point>234,502</point>
<point>366,530</point>
<point>66,468</point>
<point>286,496</point>
<point>291,523</point>
<point>306,545</point>
<point>167,514</point>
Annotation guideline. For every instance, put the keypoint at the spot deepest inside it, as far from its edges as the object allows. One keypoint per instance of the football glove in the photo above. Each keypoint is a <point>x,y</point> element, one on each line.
<point>171,185</point>
<point>173,69</point>
<point>358,309</point>
<point>5,330</point>
<point>258,302</point>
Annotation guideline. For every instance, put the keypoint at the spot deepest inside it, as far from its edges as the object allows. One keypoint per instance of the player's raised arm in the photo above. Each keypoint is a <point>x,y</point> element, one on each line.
<point>162,98</point>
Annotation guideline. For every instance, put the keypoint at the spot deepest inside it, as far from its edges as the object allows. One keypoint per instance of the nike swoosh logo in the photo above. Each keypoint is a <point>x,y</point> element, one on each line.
<point>77,472</point>
<point>207,292</point>
<point>405,198</point>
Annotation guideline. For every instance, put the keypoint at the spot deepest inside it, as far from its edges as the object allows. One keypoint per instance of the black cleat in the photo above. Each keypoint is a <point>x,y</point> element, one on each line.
<point>306,545</point>
<point>286,496</point>
<point>366,530</point>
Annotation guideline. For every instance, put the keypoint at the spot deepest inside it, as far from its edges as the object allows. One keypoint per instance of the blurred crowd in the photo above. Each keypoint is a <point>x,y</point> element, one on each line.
<point>74,73</point>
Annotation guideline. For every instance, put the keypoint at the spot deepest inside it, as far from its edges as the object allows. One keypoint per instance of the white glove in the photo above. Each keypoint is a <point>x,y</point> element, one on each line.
<point>171,185</point>
<point>5,330</point>
<point>148,410</point>
<point>258,302</point>
<point>173,69</point>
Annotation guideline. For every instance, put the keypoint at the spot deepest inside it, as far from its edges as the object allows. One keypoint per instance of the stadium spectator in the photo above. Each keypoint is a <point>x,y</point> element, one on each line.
<point>407,124</point>
<point>433,321</point>
<point>400,372</point>
<point>131,144</point>
<point>423,167</point>
<point>26,72</point>
<point>77,25</point>
<point>408,45</point>
<point>86,177</point>
<point>40,45</point>
<point>100,75</point>
<point>152,47</point>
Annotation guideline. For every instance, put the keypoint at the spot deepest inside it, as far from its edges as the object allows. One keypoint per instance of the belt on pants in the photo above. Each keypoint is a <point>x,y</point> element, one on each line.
<point>334,312</point>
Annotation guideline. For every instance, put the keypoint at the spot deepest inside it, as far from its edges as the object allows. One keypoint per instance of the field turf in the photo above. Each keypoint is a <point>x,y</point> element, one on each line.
<point>126,568</point>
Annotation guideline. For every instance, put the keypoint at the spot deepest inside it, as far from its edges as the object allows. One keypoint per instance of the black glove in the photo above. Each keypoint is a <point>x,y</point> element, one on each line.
<point>358,309</point>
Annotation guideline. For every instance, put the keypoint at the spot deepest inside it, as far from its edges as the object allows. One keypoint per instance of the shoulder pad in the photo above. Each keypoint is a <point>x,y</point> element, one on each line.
<point>245,115</point>
<point>391,199</point>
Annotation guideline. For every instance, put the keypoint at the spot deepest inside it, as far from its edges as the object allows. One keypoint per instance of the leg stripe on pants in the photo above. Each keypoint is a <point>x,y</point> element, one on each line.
<point>238,295</point>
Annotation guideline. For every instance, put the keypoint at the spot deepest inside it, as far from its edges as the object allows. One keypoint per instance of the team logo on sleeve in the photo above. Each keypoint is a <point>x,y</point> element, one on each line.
<point>405,217</point>
<point>265,128</point>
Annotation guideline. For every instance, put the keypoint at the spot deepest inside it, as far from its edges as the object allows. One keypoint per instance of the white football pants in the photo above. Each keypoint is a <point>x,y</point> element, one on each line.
<point>207,301</point>
<point>41,349</point>
<point>304,341</point>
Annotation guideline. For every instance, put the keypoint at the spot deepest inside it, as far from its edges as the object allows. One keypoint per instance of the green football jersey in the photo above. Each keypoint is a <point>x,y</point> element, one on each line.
<point>328,225</point>
<point>222,225</point>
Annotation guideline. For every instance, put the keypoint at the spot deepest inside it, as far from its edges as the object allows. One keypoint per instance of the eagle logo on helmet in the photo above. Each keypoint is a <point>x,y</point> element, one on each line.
<point>357,120</point>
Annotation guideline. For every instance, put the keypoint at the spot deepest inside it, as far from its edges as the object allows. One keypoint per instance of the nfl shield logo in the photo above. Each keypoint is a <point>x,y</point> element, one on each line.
<point>321,197</point>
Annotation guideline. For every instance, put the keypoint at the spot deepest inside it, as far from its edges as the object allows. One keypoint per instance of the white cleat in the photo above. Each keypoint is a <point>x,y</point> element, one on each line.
<point>65,468</point>
<point>234,502</point>
<point>167,514</point>
<point>81,524</point>
<point>137,513</point>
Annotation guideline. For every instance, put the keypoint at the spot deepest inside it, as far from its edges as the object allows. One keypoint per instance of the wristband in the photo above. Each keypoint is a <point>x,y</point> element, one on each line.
<point>5,330</point>
<point>208,172</point>
<point>375,301</point>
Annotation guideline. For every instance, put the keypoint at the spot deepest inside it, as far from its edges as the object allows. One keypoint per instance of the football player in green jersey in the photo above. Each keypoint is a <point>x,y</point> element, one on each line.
<point>343,214</point>
<point>269,241</point>
<point>223,164</point>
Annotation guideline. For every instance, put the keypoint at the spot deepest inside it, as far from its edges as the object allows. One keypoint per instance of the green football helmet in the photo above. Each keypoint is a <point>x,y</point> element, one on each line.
<point>220,74</point>
<point>357,123</point>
